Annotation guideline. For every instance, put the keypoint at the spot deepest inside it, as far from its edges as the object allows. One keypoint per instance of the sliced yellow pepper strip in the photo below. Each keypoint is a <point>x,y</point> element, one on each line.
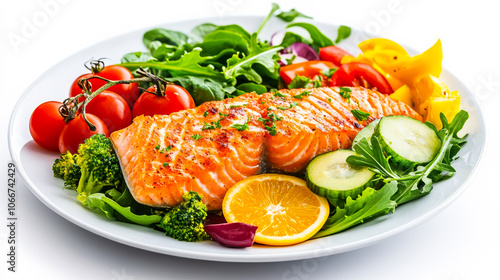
<point>378,44</point>
<point>411,69</point>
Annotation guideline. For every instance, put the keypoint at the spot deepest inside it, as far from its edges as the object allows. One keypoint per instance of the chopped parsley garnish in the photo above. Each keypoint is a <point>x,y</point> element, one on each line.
<point>330,100</point>
<point>329,73</point>
<point>273,117</point>
<point>360,115</point>
<point>212,125</point>
<point>302,94</point>
<point>164,150</point>
<point>205,114</point>
<point>165,164</point>
<point>304,82</point>
<point>345,92</point>
<point>242,127</point>
<point>196,137</point>
<point>293,104</point>
<point>272,129</point>
<point>238,106</point>
<point>279,94</point>
<point>290,60</point>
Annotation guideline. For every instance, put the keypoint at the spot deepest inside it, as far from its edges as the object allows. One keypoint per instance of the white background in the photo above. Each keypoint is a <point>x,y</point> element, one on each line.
<point>461,242</point>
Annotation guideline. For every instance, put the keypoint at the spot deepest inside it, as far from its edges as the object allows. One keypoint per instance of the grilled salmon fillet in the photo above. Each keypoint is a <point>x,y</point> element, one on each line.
<point>209,148</point>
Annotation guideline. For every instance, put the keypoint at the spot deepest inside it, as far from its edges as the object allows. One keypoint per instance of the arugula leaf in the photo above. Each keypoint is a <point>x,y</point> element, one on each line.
<point>371,203</point>
<point>291,15</point>
<point>372,157</point>
<point>291,38</point>
<point>319,40</point>
<point>187,65</point>
<point>220,40</point>
<point>108,206</point>
<point>136,57</point>
<point>252,87</point>
<point>165,36</point>
<point>199,32</point>
<point>203,89</point>
<point>262,54</point>
<point>274,8</point>
<point>343,33</point>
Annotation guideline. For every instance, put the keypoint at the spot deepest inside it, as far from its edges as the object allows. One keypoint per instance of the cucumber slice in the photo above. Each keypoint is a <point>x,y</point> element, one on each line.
<point>407,141</point>
<point>330,176</point>
<point>366,132</point>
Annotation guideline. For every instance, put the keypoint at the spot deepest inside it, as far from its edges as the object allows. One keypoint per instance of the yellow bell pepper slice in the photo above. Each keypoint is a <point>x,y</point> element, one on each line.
<point>404,94</point>
<point>411,69</point>
<point>377,44</point>
<point>449,105</point>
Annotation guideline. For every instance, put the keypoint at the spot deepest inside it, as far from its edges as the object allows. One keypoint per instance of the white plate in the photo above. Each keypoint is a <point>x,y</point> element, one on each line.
<point>34,164</point>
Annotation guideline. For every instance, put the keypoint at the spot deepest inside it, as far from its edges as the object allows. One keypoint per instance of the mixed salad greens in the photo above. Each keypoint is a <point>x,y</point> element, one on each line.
<point>214,62</point>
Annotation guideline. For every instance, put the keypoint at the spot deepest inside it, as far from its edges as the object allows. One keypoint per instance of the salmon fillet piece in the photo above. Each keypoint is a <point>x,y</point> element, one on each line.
<point>209,148</point>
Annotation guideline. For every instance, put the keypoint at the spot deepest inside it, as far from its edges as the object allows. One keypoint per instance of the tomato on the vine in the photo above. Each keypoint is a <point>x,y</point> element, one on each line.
<point>112,109</point>
<point>176,99</point>
<point>360,74</point>
<point>129,92</point>
<point>46,123</point>
<point>77,130</point>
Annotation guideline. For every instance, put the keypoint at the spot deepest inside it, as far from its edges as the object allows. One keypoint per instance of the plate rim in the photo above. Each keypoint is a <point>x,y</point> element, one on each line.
<point>261,257</point>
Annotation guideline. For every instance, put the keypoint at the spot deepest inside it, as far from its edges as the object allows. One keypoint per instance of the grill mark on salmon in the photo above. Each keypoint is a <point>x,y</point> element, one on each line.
<point>161,160</point>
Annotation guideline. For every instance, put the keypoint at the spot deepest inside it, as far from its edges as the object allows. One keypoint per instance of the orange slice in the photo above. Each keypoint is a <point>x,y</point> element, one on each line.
<point>282,207</point>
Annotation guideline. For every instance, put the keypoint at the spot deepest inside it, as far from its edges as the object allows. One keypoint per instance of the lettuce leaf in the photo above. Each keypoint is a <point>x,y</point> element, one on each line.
<point>370,204</point>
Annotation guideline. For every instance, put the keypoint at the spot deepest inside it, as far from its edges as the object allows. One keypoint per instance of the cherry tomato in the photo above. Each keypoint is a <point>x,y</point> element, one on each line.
<point>360,74</point>
<point>176,99</point>
<point>333,54</point>
<point>129,92</point>
<point>76,131</point>
<point>46,124</point>
<point>112,109</point>
<point>309,69</point>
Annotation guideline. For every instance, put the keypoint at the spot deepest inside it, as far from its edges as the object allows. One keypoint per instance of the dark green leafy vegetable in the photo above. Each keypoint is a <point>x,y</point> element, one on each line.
<point>291,15</point>
<point>371,203</point>
<point>343,33</point>
<point>319,40</point>
<point>108,206</point>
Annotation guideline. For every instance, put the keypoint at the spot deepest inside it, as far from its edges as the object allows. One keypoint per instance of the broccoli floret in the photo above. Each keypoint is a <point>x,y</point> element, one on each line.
<point>67,169</point>
<point>94,167</point>
<point>99,166</point>
<point>185,221</point>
